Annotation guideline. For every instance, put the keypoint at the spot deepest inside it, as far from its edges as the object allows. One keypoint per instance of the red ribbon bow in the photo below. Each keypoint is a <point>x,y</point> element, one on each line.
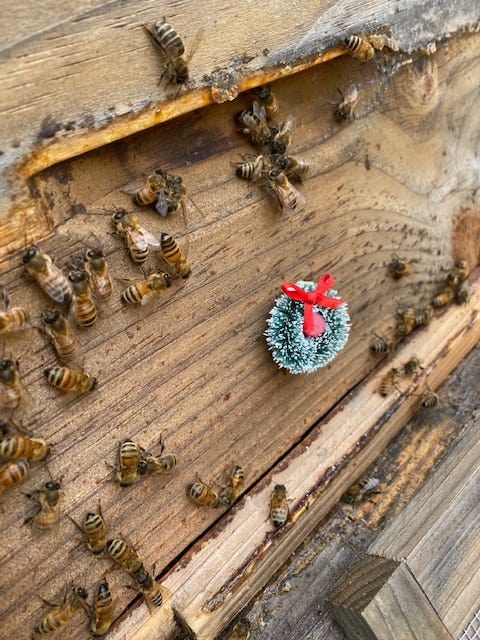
<point>313,324</point>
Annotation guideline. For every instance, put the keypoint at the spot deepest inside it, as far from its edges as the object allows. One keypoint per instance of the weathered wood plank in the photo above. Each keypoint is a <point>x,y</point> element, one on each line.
<point>69,72</point>
<point>435,537</point>
<point>443,517</point>
<point>379,599</point>
<point>163,369</point>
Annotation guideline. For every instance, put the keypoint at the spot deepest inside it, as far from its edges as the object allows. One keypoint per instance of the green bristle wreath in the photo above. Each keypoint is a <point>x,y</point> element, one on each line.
<point>291,348</point>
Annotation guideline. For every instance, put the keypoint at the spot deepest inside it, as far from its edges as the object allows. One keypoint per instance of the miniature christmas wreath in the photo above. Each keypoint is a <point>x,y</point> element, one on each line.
<point>308,325</point>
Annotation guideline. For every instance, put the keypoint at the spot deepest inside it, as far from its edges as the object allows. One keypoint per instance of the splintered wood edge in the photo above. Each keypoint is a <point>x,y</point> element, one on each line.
<point>218,576</point>
<point>74,145</point>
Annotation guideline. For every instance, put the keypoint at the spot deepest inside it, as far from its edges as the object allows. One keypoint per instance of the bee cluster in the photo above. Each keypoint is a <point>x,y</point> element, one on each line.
<point>410,318</point>
<point>204,496</point>
<point>78,296</point>
<point>273,168</point>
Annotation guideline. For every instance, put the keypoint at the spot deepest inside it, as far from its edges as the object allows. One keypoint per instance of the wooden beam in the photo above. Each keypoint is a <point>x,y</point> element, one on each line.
<point>379,599</point>
<point>438,535</point>
<point>434,541</point>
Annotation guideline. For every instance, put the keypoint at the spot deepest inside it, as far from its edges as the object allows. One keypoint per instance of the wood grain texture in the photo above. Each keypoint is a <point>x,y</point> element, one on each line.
<point>194,366</point>
<point>70,72</point>
<point>379,599</point>
<point>225,569</point>
<point>294,604</point>
<point>437,535</point>
<point>435,538</point>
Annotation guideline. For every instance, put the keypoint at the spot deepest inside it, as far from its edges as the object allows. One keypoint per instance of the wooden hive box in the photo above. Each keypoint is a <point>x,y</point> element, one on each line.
<point>87,122</point>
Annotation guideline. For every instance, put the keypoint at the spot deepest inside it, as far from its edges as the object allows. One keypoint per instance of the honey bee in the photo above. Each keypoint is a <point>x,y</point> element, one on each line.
<point>252,170</point>
<point>268,101</point>
<point>13,319</point>
<point>163,463</point>
<point>48,515</point>
<point>282,138</point>
<point>255,125</point>
<point>359,48</point>
<point>63,338</point>
<point>381,345</point>
<point>412,366</point>
<point>124,555</point>
<point>102,610</point>
<point>129,457</point>
<point>360,489</point>
<point>462,269</point>
<point>60,614</point>
<point>83,309</point>
<point>13,472</point>
<point>144,291</point>
<point>346,109</point>
<point>172,253</point>
<point>98,275</point>
<point>172,47</point>
<point>462,296</point>
<point>240,631</point>
<point>151,590</point>
<point>40,266</point>
<point>429,399</point>
<point>11,389</point>
<point>294,168</point>
<point>14,447</point>
<point>148,192</point>
<point>95,530</point>
<point>423,316</point>
<point>236,480</point>
<point>443,298</point>
<point>69,379</point>
<point>279,506</point>
<point>389,381</point>
<point>399,268</point>
<point>203,495</point>
<point>137,238</point>
<point>408,316</point>
<point>172,197</point>
<point>289,198</point>
<point>452,279</point>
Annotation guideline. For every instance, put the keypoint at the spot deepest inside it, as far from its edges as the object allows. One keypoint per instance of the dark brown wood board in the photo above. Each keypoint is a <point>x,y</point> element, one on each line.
<point>194,366</point>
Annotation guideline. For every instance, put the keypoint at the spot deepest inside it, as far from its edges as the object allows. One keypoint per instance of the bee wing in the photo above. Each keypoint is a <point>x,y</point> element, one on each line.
<point>194,46</point>
<point>284,198</point>
<point>259,111</point>
<point>371,484</point>
<point>258,170</point>
<point>150,238</point>
<point>287,126</point>
<point>28,401</point>
<point>148,298</point>
<point>45,279</point>
<point>162,205</point>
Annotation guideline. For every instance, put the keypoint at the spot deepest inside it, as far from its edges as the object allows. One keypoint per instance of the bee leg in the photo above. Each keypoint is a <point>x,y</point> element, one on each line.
<point>48,603</point>
<point>75,522</point>
<point>21,428</point>
<point>162,445</point>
